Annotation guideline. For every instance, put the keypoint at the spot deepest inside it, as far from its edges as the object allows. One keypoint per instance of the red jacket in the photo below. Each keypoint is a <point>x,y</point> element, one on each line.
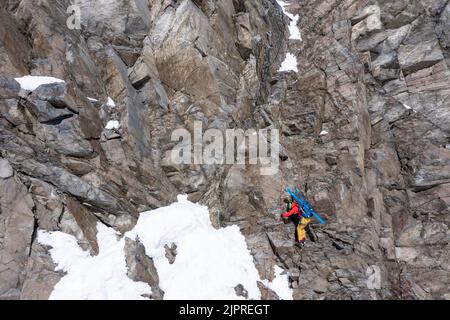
<point>295,210</point>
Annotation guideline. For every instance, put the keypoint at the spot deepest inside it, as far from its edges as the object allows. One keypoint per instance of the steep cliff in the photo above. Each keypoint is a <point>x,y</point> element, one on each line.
<point>364,127</point>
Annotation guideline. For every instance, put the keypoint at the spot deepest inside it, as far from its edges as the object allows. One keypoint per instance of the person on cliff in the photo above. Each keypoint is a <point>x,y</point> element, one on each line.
<point>296,214</point>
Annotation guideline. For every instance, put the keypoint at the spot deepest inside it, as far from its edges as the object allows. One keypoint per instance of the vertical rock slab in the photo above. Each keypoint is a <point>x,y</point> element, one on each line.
<point>16,231</point>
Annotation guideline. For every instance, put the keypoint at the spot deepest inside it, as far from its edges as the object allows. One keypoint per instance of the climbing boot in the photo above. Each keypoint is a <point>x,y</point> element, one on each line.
<point>300,244</point>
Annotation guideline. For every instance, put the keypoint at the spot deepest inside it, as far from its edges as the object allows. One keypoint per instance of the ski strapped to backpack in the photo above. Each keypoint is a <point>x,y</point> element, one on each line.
<point>306,206</point>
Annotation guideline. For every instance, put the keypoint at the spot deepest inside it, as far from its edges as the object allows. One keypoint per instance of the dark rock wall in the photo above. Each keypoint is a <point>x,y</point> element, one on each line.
<point>164,64</point>
<point>373,74</point>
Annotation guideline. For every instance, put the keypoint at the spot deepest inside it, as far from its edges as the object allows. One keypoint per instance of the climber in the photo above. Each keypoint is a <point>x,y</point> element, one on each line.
<point>296,213</point>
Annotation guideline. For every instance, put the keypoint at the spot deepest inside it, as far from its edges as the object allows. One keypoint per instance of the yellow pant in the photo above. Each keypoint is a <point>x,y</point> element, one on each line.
<point>301,233</point>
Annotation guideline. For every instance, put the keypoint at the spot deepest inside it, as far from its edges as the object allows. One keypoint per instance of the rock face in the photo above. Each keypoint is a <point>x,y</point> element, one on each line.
<point>374,75</point>
<point>142,268</point>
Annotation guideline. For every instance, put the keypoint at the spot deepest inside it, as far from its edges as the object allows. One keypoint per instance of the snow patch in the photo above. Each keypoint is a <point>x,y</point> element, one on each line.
<point>408,107</point>
<point>293,28</point>
<point>324,133</point>
<point>103,277</point>
<point>209,264</point>
<point>280,284</point>
<point>31,83</point>
<point>113,124</point>
<point>289,64</point>
<point>110,103</point>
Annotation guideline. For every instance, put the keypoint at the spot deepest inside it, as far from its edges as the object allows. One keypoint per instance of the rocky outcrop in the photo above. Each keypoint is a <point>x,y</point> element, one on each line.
<point>375,78</point>
<point>17,228</point>
<point>151,67</point>
<point>141,267</point>
<point>364,132</point>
